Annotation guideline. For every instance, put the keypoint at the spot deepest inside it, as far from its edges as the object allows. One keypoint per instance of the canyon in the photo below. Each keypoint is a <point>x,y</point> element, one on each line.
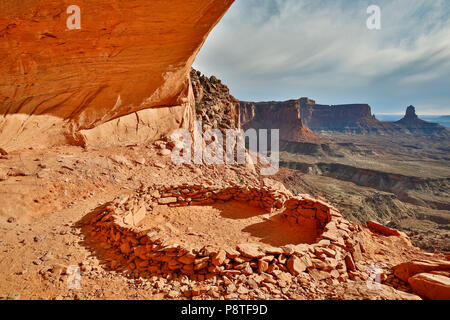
<point>87,181</point>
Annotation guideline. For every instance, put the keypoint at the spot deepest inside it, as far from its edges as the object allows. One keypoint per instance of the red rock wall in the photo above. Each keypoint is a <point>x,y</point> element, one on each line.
<point>284,116</point>
<point>351,117</point>
<point>130,61</point>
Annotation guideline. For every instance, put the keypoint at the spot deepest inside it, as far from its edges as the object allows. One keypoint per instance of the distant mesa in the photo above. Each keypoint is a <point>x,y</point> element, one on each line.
<point>347,118</point>
<point>285,116</point>
<point>303,119</point>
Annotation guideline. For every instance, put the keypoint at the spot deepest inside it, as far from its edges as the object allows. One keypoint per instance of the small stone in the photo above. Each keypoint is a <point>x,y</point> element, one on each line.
<point>250,250</point>
<point>284,276</point>
<point>242,290</point>
<point>295,265</point>
<point>173,294</point>
<point>288,249</point>
<point>165,152</point>
<point>187,259</point>
<point>219,258</point>
<point>252,283</point>
<point>3,175</point>
<point>318,275</point>
<point>11,220</point>
<point>247,269</point>
<point>350,263</point>
<point>227,281</point>
<point>214,294</point>
<point>231,253</point>
<point>231,288</point>
<point>48,256</point>
<point>159,165</point>
<point>273,250</point>
<point>167,200</point>
<point>262,266</point>
<point>140,161</point>
<point>58,269</point>
<point>119,159</point>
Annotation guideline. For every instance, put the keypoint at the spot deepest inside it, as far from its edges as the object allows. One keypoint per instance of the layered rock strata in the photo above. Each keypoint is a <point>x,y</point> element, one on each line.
<point>351,118</point>
<point>284,116</point>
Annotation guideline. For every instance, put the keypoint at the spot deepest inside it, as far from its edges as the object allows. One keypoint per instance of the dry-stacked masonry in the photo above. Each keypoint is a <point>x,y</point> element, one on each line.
<point>334,256</point>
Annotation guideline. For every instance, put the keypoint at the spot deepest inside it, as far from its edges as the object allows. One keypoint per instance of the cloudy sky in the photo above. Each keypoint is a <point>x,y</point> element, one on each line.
<point>285,49</point>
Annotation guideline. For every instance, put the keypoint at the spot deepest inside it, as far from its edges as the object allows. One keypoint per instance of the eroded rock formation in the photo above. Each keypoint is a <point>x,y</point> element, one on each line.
<point>214,105</point>
<point>122,78</point>
<point>352,118</point>
<point>315,118</point>
<point>412,123</point>
<point>284,116</point>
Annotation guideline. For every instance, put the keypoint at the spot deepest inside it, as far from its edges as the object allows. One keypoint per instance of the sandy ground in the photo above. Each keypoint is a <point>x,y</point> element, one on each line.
<point>223,225</point>
<point>43,194</point>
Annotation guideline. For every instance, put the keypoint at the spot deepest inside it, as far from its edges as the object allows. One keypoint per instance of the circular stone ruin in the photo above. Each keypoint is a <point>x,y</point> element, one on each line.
<point>202,231</point>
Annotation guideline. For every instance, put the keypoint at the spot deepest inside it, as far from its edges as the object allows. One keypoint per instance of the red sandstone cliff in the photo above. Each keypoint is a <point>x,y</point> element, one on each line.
<point>284,116</point>
<point>358,119</point>
<point>122,78</point>
<point>354,118</point>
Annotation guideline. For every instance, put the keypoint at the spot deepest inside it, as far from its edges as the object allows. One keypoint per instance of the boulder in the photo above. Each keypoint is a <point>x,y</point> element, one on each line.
<point>407,270</point>
<point>431,286</point>
<point>377,227</point>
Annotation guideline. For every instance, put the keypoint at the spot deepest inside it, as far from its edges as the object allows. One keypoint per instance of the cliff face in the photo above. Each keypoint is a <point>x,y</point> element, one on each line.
<point>299,119</point>
<point>214,104</point>
<point>354,118</point>
<point>122,78</point>
<point>284,116</point>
